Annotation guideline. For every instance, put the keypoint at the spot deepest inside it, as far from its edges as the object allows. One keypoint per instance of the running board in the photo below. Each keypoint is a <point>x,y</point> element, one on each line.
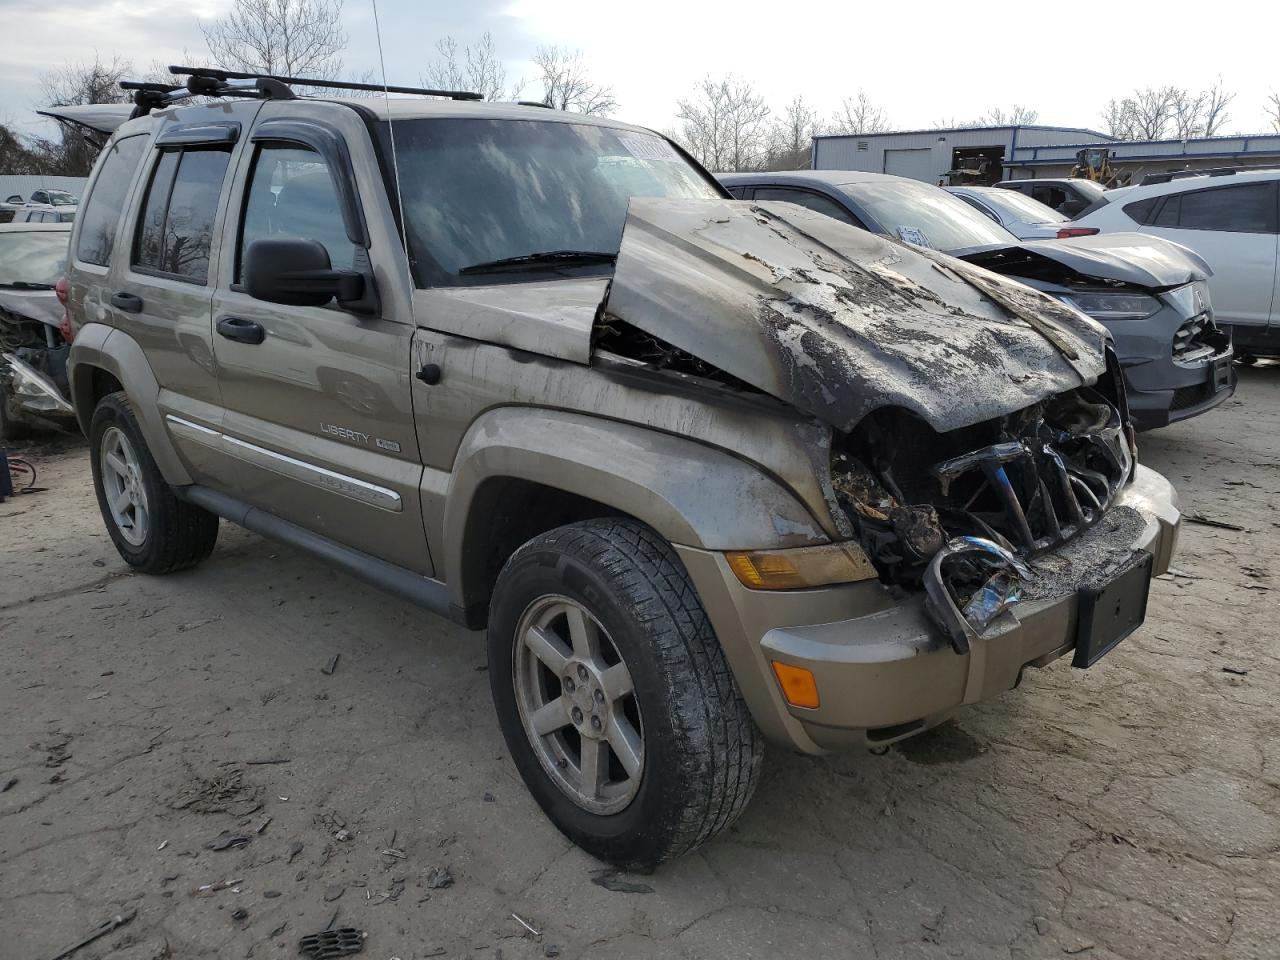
<point>417,589</point>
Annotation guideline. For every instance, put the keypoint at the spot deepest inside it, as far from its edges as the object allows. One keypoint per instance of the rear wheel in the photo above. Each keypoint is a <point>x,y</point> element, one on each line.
<point>614,696</point>
<point>151,528</point>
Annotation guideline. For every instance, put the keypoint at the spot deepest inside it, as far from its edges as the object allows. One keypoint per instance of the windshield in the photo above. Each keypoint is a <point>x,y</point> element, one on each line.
<point>60,198</point>
<point>38,257</point>
<point>1019,206</point>
<point>927,216</point>
<point>477,191</point>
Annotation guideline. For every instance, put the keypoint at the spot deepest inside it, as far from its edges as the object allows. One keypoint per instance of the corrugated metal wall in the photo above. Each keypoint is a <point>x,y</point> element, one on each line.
<point>23,185</point>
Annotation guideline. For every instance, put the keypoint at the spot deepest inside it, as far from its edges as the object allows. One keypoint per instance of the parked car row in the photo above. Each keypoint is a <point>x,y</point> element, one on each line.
<point>1152,295</point>
<point>43,206</point>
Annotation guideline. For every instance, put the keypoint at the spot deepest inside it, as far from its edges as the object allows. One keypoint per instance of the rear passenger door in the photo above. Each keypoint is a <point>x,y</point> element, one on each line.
<point>317,413</point>
<point>1234,227</point>
<point>161,279</point>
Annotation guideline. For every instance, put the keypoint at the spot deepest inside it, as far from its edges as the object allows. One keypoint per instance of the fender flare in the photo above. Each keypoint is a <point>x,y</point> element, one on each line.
<point>691,494</point>
<point>101,347</point>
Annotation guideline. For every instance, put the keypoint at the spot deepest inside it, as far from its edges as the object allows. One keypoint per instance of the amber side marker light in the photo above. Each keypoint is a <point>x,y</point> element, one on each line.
<point>798,685</point>
<point>801,567</point>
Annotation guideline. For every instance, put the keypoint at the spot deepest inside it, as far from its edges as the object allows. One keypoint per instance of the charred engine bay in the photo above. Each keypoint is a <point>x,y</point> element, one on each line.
<point>969,507</point>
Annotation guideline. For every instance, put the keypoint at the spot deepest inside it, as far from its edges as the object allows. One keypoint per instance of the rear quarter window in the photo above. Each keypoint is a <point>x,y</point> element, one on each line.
<point>100,216</point>
<point>1142,211</point>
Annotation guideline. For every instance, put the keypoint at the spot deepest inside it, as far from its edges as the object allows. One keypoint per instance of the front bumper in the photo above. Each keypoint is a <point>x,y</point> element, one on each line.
<point>1163,389</point>
<point>884,669</point>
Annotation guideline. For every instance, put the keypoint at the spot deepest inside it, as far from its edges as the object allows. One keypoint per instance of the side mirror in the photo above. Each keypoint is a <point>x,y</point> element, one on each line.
<point>295,271</point>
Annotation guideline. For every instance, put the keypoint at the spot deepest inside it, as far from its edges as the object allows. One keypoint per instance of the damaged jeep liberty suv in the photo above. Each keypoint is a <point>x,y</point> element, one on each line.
<point>710,472</point>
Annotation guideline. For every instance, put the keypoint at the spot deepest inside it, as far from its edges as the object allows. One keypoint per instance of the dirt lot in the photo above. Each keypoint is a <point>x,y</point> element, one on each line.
<point>1132,810</point>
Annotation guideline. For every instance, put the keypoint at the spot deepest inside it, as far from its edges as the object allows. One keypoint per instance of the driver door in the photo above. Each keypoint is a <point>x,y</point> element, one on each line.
<point>318,424</point>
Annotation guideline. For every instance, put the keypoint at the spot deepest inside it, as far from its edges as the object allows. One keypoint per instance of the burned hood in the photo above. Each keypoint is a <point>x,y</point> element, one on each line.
<point>39,305</point>
<point>837,321</point>
<point>1129,258</point>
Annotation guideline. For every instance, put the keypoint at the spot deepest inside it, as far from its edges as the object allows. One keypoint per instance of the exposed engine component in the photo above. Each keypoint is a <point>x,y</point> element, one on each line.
<point>960,512</point>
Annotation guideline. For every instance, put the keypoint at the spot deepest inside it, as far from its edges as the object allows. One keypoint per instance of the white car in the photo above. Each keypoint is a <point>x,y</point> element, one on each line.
<point>1025,218</point>
<point>1232,219</point>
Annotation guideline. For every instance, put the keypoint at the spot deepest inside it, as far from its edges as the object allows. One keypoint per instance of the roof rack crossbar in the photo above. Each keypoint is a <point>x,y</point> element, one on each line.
<point>216,74</point>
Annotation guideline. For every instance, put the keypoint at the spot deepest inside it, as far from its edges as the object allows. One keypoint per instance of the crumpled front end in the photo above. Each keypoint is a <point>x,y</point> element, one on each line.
<point>980,454</point>
<point>963,514</point>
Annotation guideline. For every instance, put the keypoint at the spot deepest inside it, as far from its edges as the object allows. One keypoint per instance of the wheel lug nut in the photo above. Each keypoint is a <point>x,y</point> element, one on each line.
<point>582,673</point>
<point>599,696</point>
<point>595,723</point>
<point>569,685</point>
<point>577,715</point>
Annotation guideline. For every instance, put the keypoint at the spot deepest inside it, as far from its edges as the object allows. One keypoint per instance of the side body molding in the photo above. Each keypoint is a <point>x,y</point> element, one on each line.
<point>693,495</point>
<point>102,347</point>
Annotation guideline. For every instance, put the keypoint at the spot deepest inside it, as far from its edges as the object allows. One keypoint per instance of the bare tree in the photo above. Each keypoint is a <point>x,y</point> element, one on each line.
<point>1216,101</point>
<point>566,84</point>
<point>724,125</point>
<point>293,38</point>
<point>791,136</point>
<point>1273,110</point>
<point>78,83</point>
<point>1117,118</point>
<point>1154,113</point>
<point>1016,115</point>
<point>74,84</point>
<point>860,115</point>
<point>475,68</point>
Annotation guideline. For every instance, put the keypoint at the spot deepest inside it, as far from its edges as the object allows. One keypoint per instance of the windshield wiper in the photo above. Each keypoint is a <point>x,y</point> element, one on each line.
<point>535,261</point>
<point>24,285</point>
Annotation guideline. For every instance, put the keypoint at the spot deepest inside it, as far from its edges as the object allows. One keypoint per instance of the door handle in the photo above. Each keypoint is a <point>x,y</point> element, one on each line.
<point>242,331</point>
<point>128,302</point>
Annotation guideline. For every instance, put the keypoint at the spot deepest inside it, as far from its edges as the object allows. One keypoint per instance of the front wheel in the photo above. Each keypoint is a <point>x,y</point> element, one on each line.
<point>614,696</point>
<point>151,528</point>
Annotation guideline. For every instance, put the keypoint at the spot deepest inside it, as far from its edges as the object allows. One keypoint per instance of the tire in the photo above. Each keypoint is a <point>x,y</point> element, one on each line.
<point>157,533</point>
<point>700,751</point>
<point>1246,359</point>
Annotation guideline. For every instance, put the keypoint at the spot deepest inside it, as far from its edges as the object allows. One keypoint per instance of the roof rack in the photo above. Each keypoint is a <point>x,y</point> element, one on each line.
<point>212,82</point>
<point>225,75</point>
<point>1172,175</point>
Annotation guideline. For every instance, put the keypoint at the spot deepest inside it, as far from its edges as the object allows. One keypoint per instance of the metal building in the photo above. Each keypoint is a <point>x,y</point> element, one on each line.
<point>930,155</point>
<point>988,154</point>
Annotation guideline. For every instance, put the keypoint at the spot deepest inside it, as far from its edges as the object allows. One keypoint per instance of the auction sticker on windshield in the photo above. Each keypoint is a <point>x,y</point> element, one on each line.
<point>649,148</point>
<point>914,235</point>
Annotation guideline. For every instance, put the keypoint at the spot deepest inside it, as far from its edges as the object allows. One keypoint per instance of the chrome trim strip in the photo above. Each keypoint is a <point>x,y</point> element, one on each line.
<point>286,466</point>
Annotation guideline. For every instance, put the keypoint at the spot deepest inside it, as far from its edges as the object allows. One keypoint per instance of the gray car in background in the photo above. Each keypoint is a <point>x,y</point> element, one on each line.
<point>1152,295</point>
<point>1025,218</point>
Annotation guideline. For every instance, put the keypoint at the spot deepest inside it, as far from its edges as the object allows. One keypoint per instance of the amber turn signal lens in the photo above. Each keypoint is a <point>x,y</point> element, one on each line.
<point>798,685</point>
<point>802,567</point>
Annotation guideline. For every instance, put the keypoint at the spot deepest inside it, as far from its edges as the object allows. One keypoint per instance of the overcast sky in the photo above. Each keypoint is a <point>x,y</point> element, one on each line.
<point>920,61</point>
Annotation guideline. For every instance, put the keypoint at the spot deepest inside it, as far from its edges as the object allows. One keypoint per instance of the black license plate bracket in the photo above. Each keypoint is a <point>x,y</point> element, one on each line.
<point>1111,612</point>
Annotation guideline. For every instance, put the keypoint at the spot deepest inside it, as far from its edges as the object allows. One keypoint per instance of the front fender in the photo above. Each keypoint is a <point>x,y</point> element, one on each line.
<point>691,494</point>
<point>100,347</point>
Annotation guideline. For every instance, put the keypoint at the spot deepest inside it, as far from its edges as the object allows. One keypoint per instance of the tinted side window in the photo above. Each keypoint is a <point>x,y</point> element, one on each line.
<point>176,231</point>
<point>1248,208</point>
<point>981,208</point>
<point>1167,216</point>
<point>149,248</point>
<point>101,213</point>
<point>1140,211</point>
<point>291,194</point>
<point>805,199</point>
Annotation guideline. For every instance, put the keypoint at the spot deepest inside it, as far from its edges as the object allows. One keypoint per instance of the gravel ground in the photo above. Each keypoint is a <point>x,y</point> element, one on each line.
<point>1132,810</point>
